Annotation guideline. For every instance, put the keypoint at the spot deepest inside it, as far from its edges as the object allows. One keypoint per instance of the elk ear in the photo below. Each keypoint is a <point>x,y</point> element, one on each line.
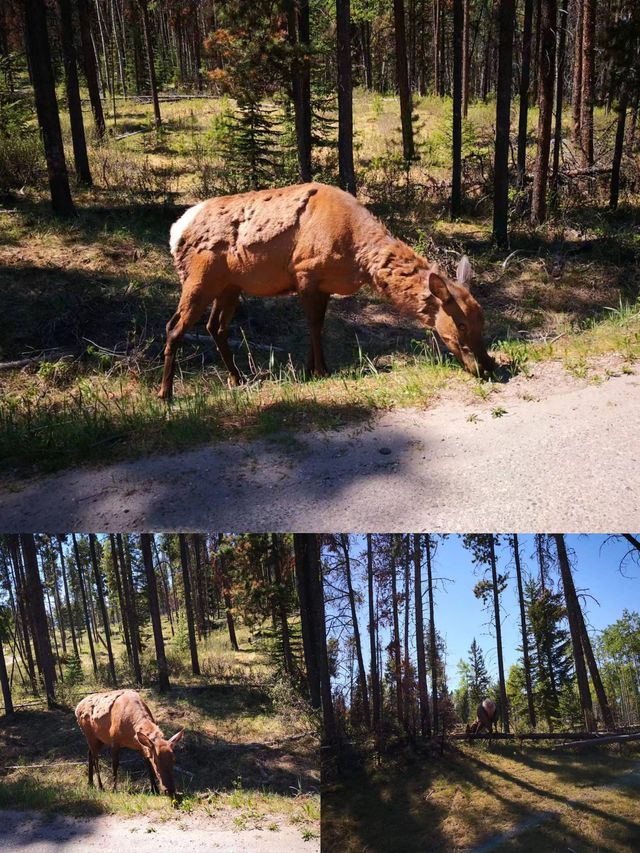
<point>176,738</point>
<point>438,287</point>
<point>143,740</point>
<point>464,272</point>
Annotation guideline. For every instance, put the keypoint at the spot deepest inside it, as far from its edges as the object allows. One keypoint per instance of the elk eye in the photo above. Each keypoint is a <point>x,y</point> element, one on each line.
<point>462,327</point>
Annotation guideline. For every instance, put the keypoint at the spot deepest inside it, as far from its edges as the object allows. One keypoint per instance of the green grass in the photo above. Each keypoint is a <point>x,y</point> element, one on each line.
<point>103,286</point>
<point>473,794</point>
<point>221,769</point>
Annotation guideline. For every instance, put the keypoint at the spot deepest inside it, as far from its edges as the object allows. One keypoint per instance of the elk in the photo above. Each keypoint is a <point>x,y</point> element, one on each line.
<point>121,719</point>
<point>487,713</point>
<point>314,240</point>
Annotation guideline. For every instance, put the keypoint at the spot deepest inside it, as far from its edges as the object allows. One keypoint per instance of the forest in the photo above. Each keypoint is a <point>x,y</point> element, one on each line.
<point>208,628</point>
<point>504,130</point>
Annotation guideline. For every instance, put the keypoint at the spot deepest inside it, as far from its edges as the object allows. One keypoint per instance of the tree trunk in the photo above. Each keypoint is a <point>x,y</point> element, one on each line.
<point>281,607</point>
<point>154,610</point>
<point>362,677</point>
<point>596,679</point>
<point>466,58</point>
<point>146,32</point>
<point>525,641</point>
<point>423,696</point>
<point>436,47</point>
<point>228,603</point>
<point>4,682</point>
<point>121,603</point>
<point>574,617</point>
<point>37,44</point>
<point>188,606</point>
<point>90,66</point>
<point>614,189</point>
<point>103,608</point>
<point>132,619</point>
<point>375,689</point>
<point>345,97</point>
<point>504,710</point>
<point>66,598</point>
<point>402,79</point>
<point>397,664</point>
<point>588,80</point>
<point>35,597</point>
<point>557,136</point>
<point>87,620</point>
<point>503,124</point>
<point>301,544</point>
<point>14,547</point>
<point>80,156</point>
<point>547,75</point>
<point>298,31</point>
<point>456,153</point>
<point>525,76</point>
<point>576,87</point>
<point>432,638</point>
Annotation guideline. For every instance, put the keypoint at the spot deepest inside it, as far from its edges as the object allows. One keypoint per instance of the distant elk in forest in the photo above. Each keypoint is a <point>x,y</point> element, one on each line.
<point>487,715</point>
<point>313,240</point>
<point>120,719</point>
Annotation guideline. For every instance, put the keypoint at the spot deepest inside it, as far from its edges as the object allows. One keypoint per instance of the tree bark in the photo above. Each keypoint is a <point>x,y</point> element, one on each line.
<point>132,617</point>
<point>574,617</point>
<point>186,582</point>
<point>523,107</point>
<point>228,603</point>
<point>307,622</point>
<point>423,696</point>
<point>4,683</point>
<point>298,31</point>
<point>504,710</point>
<point>456,153</point>
<point>523,628</point>
<point>402,79</point>
<point>121,603</point>
<point>281,608</point>
<point>503,124</point>
<point>375,689</point>
<point>466,60</point>
<point>146,31</point>
<point>618,151</point>
<point>557,136</point>
<point>362,677</point>
<point>433,638</point>
<point>154,609</point>
<point>345,97</point>
<point>87,620</point>
<point>547,75</point>
<point>576,86</point>
<point>35,597</point>
<point>588,80</point>
<point>80,156</point>
<point>37,44</point>
<point>103,608</point>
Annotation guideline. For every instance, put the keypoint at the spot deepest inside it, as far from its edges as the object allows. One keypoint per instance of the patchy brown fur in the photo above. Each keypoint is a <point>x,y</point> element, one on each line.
<point>314,240</point>
<point>486,712</point>
<point>120,719</point>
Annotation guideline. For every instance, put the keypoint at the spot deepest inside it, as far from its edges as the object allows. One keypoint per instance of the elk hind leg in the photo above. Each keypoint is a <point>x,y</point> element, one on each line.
<point>222,311</point>
<point>314,303</point>
<point>115,760</point>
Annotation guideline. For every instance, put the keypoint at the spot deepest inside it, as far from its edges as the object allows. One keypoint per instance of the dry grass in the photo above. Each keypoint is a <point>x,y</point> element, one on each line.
<point>471,797</point>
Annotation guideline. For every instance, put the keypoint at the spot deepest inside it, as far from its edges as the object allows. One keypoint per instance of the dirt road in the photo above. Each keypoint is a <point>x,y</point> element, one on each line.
<point>34,832</point>
<point>544,452</point>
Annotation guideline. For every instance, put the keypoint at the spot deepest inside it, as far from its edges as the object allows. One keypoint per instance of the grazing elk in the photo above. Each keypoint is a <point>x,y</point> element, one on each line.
<point>313,240</point>
<point>121,719</point>
<point>487,714</point>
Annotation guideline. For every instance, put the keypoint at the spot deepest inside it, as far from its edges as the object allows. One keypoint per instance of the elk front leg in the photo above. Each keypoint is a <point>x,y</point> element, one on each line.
<point>96,764</point>
<point>314,303</point>
<point>90,769</point>
<point>152,777</point>
<point>222,311</point>
<point>115,760</point>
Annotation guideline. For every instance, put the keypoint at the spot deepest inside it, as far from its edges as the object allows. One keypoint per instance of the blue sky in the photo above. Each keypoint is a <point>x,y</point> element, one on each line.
<point>460,616</point>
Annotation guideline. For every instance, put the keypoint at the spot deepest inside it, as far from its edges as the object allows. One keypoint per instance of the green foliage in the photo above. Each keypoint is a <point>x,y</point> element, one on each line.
<point>73,672</point>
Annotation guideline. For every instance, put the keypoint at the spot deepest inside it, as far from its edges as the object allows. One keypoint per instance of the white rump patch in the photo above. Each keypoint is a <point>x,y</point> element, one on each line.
<point>179,226</point>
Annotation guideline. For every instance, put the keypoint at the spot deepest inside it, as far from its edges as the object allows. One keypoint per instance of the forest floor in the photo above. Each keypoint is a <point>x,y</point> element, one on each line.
<point>476,799</point>
<point>548,448</point>
<point>90,298</point>
<point>238,770</point>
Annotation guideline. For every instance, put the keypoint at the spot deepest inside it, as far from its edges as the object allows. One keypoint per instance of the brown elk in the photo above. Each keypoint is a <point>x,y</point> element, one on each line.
<point>313,240</point>
<point>121,719</point>
<point>487,713</point>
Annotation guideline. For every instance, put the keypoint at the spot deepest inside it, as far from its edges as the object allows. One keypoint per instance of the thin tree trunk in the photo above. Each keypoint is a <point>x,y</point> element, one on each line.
<point>80,156</point>
<point>397,665</point>
<point>121,601</point>
<point>423,696</point>
<point>574,615</point>
<point>576,87</point>
<point>503,124</point>
<point>103,608</point>
<point>146,32</point>
<point>525,642</point>
<point>362,677</point>
<point>588,80</point>
<point>375,690</point>
<point>132,617</point>
<point>466,58</point>
<point>525,76</point>
<point>37,43</point>
<point>402,79</point>
<point>186,582</point>
<point>228,603</point>
<point>504,710</point>
<point>83,594</point>
<point>345,97</point>
<point>618,151</point>
<point>14,548</point>
<point>307,622</point>
<point>313,567</point>
<point>456,153</point>
<point>4,682</point>
<point>281,607</point>
<point>547,75</point>
<point>35,598</point>
<point>90,66</point>
<point>298,28</point>
<point>557,136</point>
<point>596,679</point>
<point>154,609</point>
<point>432,637</point>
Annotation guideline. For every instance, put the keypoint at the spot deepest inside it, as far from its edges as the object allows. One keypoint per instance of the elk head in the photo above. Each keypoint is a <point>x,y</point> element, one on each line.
<point>160,753</point>
<point>457,318</point>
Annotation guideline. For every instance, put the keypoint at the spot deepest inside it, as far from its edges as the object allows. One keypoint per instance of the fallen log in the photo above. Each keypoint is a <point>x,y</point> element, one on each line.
<point>599,741</point>
<point>526,736</point>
